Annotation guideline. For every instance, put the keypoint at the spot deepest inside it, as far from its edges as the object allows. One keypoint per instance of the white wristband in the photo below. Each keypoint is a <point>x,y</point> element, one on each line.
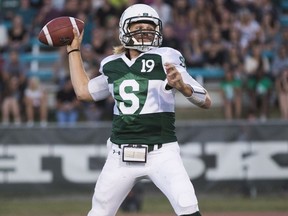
<point>198,96</point>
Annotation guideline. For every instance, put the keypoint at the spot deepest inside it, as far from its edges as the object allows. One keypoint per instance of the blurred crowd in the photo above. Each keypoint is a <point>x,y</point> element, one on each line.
<point>245,38</point>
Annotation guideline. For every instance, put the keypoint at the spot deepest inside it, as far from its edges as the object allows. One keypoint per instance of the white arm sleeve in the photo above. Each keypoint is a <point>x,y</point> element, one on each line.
<point>198,96</point>
<point>98,88</point>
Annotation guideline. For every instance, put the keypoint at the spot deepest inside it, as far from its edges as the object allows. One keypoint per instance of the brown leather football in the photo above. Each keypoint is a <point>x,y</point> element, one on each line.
<point>59,31</point>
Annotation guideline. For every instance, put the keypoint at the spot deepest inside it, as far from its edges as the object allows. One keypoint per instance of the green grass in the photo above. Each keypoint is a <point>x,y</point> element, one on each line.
<point>238,204</point>
<point>152,204</point>
<point>43,207</point>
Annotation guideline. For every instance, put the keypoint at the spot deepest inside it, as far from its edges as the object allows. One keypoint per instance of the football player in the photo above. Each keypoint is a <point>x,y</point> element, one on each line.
<point>143,78</point>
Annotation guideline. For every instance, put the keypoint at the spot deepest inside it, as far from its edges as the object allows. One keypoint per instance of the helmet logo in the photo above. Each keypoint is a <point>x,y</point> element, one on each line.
<point>145,14</point>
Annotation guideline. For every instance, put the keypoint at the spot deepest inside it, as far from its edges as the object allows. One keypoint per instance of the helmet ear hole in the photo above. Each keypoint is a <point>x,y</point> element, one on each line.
<point>140,13</point>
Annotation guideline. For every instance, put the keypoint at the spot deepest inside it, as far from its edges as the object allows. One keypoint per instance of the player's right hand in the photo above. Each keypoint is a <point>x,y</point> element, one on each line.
<point>76,43</point>
<point>175,80</point>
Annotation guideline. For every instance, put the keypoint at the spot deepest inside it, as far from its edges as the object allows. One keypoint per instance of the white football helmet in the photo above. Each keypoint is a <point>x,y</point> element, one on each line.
<point>140,13</point>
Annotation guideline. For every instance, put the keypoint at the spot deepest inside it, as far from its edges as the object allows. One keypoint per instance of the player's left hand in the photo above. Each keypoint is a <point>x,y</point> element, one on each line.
<point>175,80</point>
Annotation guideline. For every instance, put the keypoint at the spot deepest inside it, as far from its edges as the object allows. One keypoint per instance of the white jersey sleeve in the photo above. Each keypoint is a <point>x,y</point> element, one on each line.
<point>98,88</point>
<point>174,57</point>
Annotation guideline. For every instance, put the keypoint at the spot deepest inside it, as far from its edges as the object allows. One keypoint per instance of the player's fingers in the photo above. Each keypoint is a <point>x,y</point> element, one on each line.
<point>170,69</point>
<point>76,42</point>
<point>76,33</point>
<point>168,66</point>
<point>81,36</point>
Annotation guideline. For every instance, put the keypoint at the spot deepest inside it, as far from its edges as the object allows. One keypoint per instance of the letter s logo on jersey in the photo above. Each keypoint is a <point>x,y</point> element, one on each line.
<point>182,60</point>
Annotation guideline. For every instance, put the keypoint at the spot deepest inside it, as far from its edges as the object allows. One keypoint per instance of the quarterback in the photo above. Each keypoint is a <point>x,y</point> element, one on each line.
<point>143,78</point>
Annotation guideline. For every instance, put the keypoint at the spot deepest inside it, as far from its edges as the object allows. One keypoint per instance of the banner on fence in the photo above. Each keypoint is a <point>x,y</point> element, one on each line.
<point>213,154</point>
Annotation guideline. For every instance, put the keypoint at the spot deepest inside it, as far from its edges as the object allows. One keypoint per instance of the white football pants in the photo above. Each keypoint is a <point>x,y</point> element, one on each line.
<point>164,167</point>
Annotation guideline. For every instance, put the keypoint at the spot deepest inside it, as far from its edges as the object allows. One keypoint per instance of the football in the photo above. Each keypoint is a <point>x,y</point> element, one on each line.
<point>59,31</point>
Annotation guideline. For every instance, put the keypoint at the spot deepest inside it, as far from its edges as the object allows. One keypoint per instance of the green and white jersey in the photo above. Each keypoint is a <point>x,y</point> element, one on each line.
<point>144,111</point>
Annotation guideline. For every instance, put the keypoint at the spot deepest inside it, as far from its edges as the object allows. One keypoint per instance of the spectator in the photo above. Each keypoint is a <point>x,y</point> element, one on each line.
<point>8,9</point>
<point>131,2</point>
<point>100,43</point>
<point>259,83</point>
<point>264,7</point>
<point>234,66</point>
<point>59,4</point>
<point>181,12</point>
<point>170,39</point>
<point>86,7</point>
<point>119,4</point>
<point>270,29</point>
<point>3,37</point>
<point>103,12</point>
<point>1,63</point>
<point>199,16</point>
<point>214,49</point>
<point>28,14</point>
<point>234,41</point>
<point>38,3</point>
<point>99,111</point>
<point>35,99</point>
<point>10,104</point>
<point>282,92</point>
<point>234,61</point>
<point>67,112</point>
<point>264,87</point>
<point>46,13</point>
<point>282,40</point>
<point>18,35</point>
<point>226,20</point>
<point>248,27</point>
<point>193,49</point>
<point>61,68</point>
<point>280,61</point>
<point>85,13</point>
<point>231,90</point>
<point>164,10</point>
<point>90,63</point>
<point>182,29</point>
<point>13,67</point>
<point>70,8</point>
<point>88,27</point>
<point>248,5</point>
<point>2,78</point>
<point>111,33</point>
